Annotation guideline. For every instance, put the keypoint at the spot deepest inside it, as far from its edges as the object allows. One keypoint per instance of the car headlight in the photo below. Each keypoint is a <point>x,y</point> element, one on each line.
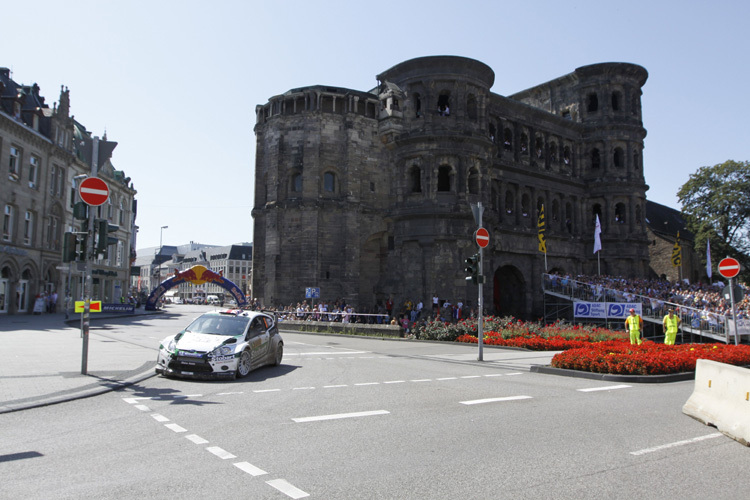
<point>222,351</point>
<point>171,346</point>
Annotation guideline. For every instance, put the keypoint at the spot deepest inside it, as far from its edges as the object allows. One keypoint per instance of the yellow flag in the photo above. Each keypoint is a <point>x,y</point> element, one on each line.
<point>542,226</point>
<point>677,252</point>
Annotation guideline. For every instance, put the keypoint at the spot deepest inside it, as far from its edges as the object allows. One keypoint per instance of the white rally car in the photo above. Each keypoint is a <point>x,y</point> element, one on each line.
<point>222,344</point>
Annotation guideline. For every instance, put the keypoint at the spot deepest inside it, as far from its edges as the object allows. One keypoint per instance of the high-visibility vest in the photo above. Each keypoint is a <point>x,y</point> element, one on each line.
<point>671,323</point>
<point>634,323</point>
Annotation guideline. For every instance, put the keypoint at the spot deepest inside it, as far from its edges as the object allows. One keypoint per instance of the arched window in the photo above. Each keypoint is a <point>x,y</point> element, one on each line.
<point>471,107</point>
<point>569,218</point>
<point>415,179</point>
<point>616,101</point>
<point>596,210</point>
<point>566,155</point>
<point>539,148</point>
<point>329,182</point>
<point>492,132</point>
<point>592,103</point>
<point>555,215</point>
<point>508,139</point>
<point>418,105</point>
<point>444,178</point>
<point>525,205</point>
<point>473,181</point>
<point>618,158</point>
<point>509,202</point>
<point>553,152</point>
<point>296,186</point>
<point>596,161</point>
<point>620,213</point>
<point>444,104</point>
<point>524,144</point>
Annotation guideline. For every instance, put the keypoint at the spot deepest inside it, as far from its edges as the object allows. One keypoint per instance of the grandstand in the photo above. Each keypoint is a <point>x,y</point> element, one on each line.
<point>562,294</point>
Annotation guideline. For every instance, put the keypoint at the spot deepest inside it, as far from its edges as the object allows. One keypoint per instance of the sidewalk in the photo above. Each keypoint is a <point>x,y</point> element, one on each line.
<point>42,357</point>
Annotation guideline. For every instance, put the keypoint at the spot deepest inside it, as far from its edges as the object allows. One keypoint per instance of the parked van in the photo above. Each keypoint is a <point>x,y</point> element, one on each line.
<point>213,300</point>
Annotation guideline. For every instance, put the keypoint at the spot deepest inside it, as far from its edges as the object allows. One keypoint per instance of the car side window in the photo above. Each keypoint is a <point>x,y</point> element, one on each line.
<point>256,328</point>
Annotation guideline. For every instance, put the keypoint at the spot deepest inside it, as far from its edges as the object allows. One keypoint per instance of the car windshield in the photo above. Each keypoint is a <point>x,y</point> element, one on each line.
<point>219,325</point>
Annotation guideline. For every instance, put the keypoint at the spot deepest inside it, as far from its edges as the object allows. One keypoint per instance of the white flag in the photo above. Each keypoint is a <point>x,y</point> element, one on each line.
<point>597,235</point>
<point>708,258</point>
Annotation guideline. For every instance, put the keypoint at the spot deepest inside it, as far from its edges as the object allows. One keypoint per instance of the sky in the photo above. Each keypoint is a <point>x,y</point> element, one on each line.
<point>176,82</point>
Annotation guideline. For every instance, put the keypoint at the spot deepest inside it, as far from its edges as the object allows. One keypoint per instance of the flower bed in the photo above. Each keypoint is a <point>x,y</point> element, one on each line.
<point>588,348</point>
<point>650,358</point>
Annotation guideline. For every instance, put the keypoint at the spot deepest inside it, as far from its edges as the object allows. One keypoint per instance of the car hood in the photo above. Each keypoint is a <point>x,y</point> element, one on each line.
<point>201,342</point>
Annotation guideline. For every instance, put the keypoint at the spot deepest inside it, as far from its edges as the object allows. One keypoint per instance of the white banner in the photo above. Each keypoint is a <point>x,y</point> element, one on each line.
<point>743,327</point>
<point>605,310</point>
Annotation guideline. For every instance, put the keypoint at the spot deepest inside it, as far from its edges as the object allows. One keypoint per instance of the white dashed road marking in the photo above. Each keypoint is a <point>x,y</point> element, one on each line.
<point>250,469</point>
<point>494,400</point>
<point>196,439</point>
<point>220,452</point>
<point>677,443</point>
<point>607,388</point>
<point>341,415</point>
<point>287,489</point>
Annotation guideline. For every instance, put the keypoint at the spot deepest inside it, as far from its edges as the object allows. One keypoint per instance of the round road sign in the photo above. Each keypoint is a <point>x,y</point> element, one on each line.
<point>93,191</point>
<point>729,267</point>
<point>482,237</point>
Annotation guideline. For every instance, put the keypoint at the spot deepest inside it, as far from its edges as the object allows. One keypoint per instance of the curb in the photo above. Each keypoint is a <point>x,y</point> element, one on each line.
<point>93,389</point>
<point>636,379</point>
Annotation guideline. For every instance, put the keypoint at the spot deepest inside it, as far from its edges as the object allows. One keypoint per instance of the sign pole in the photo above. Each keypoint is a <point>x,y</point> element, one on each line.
<point>734,312</point>
<point>85,318</point>
<point>478,211</point>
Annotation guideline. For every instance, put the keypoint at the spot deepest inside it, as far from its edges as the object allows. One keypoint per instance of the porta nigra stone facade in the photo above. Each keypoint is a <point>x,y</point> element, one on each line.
<point>367,194</point>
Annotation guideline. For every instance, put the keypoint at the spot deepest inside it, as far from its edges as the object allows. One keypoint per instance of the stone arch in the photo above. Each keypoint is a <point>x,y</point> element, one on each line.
<point>196,275</point>
<point>509,292</point>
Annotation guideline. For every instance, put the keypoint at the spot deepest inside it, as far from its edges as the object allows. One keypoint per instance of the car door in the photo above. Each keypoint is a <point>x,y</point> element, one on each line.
<point>257,336</point>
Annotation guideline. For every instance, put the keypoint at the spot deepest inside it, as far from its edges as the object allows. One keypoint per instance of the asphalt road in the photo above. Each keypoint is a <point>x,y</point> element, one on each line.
<point>346,418</point>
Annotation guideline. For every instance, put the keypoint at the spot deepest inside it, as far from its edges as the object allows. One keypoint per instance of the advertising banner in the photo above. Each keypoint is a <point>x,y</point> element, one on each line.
<point>606,310</point>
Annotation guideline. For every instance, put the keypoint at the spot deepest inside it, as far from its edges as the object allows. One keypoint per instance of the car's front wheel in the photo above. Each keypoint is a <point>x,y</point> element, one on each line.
<point>243,365</point>
<point>279,354</point>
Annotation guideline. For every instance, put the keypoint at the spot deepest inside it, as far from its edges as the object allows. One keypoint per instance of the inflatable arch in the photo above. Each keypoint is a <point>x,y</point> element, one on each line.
<point>196,275</point>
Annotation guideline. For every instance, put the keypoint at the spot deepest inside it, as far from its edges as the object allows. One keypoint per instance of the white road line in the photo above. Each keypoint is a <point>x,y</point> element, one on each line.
<point>250,469</point>
<point>175,427</point>
<point>340,415</point>
<point>471,376</point>
<point>493,400</point>
<point>494,375</point>
<point>196,439</point>
<point>131,401</point>
<point>421,380</point>
<point>228,393</point>
<point>607,388</point>
<point>267,390</point>
<point>514,373</point>
<point>327,353</point>
<point>160,418</point>
<point>677,443</point>
<point>334,386</point>
<point>448,378</point>
<point>220,452</point>
<point>303,388</point>
<point>143,407</point>
<point>287,489</point>
<point>369,383</point>
<point>395,382</point>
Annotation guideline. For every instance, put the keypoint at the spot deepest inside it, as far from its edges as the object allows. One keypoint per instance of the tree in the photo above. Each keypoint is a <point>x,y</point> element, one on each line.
<point>716,205</point>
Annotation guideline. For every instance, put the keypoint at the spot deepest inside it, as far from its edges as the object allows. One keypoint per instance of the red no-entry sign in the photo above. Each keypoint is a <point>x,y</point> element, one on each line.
<point>482,237</point>
<point>729,267</point>
<point>93,191</point>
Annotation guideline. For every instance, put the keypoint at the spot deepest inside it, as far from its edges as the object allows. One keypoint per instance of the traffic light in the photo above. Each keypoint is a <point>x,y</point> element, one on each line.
<point>472,268</point>
<point>81,211</point>
<point>103,240</point>
<point>74,246</point>
<point>70,247</point>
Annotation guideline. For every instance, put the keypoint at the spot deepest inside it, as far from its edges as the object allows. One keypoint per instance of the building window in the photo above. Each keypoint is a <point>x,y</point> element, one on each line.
<point>418,105</point>
<point>473,181</point>
<point>28,228</point>
<point>525,205</point>
<point>539,148</point>
<point>618,158</point>
<point>509,202</point>
<point>593,103</point>
<point>616,100</point>
<point>444,178</point>
<point>52,235</point>
<point>415,179</point>
<point>524,144</point>
<point>14,163</point>
<point>57,180</point>
<point>8,223</point>
<point>507,140</point>
<point>33,171</point>
<point>566,155</point>
<point>596,161</point>
<point>297,183</point>
<point>329,182</point>
<point>444,108</point>
<point>620,213</point>
<point>471,107</point>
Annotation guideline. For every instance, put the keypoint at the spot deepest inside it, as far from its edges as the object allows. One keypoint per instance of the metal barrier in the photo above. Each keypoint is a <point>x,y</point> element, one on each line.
<point>694,321</point>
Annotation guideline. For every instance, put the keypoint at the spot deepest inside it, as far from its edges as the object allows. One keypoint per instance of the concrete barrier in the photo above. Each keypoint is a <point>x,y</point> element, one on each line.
<point>721,398</point>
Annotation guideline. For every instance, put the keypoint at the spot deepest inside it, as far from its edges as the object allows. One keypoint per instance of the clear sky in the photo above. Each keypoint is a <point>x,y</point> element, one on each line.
<point>176,82</point>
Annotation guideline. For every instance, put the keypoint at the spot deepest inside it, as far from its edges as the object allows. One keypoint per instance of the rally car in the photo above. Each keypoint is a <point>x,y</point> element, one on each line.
<point>222,344</point>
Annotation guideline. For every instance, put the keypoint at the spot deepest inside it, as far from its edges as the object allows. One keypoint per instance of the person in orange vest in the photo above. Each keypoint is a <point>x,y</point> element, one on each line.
<point>633,325</point>
<point>671,326</point>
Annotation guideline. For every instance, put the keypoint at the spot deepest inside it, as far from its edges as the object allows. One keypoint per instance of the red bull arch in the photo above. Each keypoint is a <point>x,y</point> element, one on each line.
<point>197,275</point>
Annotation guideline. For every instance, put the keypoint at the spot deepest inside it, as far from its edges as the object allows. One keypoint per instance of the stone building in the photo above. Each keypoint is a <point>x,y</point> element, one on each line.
<point>368,194</point>
<point>43,153</point>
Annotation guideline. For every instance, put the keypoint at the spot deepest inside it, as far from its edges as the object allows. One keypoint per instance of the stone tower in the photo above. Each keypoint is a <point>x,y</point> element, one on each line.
<point>368,194</point>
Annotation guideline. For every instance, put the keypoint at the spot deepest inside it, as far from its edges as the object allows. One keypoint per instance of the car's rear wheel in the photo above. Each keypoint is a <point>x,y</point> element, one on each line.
<point>243,365</point>
<point>279,354</point>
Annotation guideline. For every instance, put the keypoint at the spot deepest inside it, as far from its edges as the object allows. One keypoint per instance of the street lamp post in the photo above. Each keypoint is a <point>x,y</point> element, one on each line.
<point>158,269</point>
